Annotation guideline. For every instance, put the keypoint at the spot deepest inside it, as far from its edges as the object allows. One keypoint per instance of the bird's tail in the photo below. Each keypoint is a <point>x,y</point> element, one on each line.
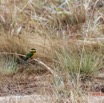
<point>25,59</point>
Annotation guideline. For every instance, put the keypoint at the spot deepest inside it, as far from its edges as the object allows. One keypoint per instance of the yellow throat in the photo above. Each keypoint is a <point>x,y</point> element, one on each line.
<point>33,51</point>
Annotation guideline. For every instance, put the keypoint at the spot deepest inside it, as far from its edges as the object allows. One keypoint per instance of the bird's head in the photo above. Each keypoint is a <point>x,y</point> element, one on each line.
<point>33,50</point>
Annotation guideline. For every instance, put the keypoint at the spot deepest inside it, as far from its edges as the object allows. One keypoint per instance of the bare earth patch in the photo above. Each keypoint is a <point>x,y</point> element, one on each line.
<point>25,85</point>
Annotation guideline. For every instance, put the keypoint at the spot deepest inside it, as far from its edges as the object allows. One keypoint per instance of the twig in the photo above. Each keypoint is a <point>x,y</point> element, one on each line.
<point>101,78</point>
<point>7,53</point>
<point>47,67</point>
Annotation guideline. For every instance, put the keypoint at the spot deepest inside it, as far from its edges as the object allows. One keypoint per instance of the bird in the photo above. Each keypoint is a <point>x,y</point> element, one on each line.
<point>30,54</point>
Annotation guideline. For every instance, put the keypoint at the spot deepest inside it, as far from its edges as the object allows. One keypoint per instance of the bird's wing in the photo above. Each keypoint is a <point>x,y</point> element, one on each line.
<point>28,55</point>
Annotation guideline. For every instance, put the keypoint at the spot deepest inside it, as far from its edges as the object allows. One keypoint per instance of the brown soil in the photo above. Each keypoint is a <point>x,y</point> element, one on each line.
<point>24,85</point>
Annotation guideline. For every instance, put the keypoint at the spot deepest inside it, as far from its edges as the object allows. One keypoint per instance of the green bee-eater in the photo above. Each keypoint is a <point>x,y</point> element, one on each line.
<point>30,54</point>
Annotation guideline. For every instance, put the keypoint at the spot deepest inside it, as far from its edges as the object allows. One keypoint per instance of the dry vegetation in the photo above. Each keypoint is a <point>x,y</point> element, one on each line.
<point>69,38</point>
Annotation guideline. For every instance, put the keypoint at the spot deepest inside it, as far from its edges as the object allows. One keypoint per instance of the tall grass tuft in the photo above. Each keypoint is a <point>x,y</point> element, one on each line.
<point>13,44</point>
<point>9,65</point>
<point>84,63</point>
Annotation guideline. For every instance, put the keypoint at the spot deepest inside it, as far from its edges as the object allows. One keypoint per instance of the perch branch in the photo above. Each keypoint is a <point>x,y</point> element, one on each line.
<point>47,67</point>
<point>7,53</point>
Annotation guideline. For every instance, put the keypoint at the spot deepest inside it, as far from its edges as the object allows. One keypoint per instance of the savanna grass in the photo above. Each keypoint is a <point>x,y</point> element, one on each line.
<point>42,23</point>
<point>83,61</point>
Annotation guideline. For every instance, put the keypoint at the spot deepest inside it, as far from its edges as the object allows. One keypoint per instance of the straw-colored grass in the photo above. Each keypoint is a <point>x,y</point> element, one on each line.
<point>68,37</point>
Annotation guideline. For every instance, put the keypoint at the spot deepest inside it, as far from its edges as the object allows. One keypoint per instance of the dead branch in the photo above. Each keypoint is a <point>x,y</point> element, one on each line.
<point>47,67</point>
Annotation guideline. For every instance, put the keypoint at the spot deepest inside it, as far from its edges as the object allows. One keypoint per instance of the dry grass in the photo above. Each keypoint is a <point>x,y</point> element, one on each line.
<point>65,34</point>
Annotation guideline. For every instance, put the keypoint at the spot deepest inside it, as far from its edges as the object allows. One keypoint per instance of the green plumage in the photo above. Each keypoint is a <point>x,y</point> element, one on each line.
<point>28,55</point>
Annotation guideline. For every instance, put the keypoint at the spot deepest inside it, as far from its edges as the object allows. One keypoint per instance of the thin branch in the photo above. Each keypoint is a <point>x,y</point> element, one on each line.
<point>47,67</point>
<point>7,53</point>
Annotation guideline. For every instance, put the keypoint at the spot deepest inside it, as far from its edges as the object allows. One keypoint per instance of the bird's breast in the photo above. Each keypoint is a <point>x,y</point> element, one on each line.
<point>33,55</point>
